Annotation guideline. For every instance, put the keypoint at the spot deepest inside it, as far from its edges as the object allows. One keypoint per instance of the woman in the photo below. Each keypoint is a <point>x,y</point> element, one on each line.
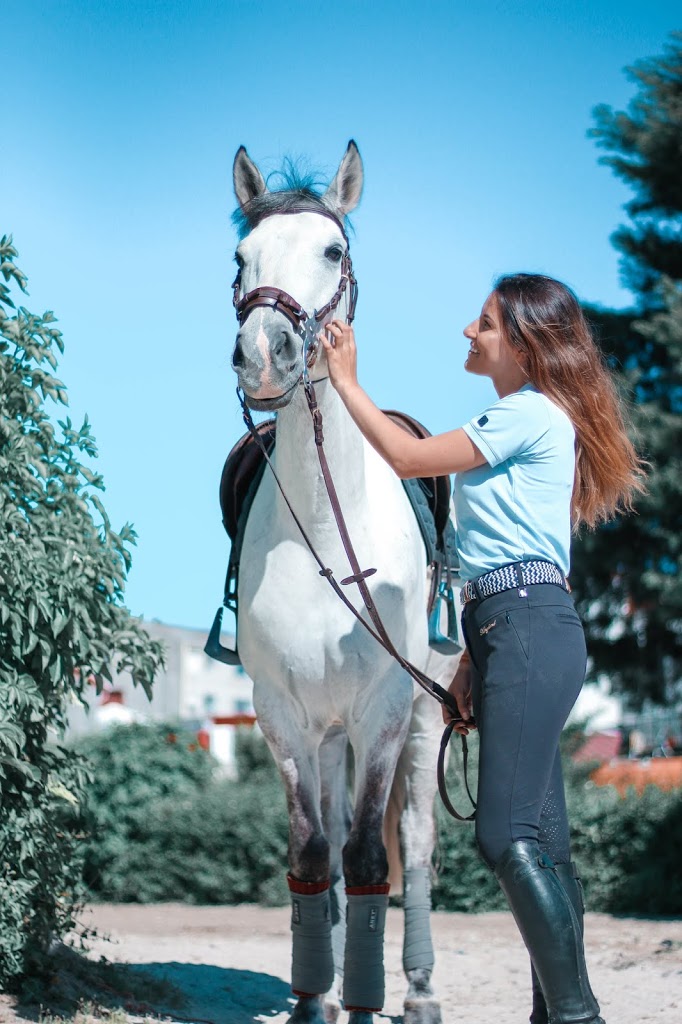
<point>550,454</point>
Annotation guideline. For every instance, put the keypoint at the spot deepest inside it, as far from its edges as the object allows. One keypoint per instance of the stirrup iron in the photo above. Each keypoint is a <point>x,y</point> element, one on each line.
<point>213,646</point>
<point>448,642</point>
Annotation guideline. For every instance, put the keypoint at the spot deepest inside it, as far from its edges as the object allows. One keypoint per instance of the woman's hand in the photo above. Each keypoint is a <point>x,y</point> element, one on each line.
<point>338,340</point>
<point>460,688</point>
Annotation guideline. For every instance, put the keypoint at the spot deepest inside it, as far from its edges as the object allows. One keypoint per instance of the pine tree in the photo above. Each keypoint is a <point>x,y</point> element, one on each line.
<point>627,574</point>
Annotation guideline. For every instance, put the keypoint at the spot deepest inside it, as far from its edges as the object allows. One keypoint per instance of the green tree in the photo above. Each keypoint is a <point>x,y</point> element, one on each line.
<point>627,574</point>
<point>62,574</point>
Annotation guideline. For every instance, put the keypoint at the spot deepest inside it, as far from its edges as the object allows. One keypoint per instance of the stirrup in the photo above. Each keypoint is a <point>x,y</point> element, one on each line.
<point>213,647</point>
<point>448,642</point>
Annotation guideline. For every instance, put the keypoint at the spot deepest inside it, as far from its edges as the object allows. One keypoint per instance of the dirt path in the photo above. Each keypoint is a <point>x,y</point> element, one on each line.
<point>233,963</point>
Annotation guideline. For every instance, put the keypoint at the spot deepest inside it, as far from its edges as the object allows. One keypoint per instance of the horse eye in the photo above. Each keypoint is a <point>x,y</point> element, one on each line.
<point>238,260</point>
<point>334,253</point>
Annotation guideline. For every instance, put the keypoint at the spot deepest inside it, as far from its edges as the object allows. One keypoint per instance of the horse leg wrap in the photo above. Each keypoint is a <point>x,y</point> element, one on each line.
<point>312,963</point>
<point>363,982</point>
<point>417,945</point>
<point>337,895</point>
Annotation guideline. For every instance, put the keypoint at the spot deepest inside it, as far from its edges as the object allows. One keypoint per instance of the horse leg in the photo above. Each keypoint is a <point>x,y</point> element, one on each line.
<point>312,965</point>
<point>336,821</point>
<point>365,863</point>
<point>414,789</point>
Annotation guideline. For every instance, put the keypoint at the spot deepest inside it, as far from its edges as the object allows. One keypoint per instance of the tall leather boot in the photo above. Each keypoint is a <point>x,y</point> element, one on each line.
<point>550,929</point>
<point>570,879</point>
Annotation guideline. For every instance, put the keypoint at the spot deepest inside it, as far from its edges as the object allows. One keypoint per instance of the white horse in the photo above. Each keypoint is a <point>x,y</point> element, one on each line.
<point>320,680</point>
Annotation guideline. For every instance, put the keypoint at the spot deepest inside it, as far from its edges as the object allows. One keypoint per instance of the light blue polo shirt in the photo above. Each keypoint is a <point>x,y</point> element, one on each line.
<point>517,505</point>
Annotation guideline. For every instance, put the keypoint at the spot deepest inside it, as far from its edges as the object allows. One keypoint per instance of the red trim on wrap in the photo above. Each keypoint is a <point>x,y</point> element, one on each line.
<point>363,1009</point>
<point>367,890</point>
<point>306,995</point>
<point>306,888</point>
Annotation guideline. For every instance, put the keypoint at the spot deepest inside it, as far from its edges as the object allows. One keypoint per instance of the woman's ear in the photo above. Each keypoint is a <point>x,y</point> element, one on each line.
<point>522,360</point>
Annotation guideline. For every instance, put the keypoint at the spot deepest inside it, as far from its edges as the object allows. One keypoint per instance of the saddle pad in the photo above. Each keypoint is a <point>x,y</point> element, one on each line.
<point>437,489</point>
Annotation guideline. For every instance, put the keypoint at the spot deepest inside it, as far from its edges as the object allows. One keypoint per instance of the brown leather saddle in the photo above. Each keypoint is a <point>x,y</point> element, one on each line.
<point>430,500</point>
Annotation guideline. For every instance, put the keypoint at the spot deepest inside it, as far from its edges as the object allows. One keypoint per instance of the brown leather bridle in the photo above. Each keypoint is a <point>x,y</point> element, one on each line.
<point>305,324</point>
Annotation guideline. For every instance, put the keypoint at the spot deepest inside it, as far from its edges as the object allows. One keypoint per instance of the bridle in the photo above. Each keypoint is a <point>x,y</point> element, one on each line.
<point>306,325</point>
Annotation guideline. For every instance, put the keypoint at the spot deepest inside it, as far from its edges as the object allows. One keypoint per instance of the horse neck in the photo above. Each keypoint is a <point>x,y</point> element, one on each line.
<point>297,458</point>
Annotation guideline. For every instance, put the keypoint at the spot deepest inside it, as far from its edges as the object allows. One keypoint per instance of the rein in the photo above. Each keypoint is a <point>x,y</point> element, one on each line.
<point>305,324</point>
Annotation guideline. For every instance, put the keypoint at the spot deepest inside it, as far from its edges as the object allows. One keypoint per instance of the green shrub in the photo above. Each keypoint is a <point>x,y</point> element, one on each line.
<point>62,575</point>
<point>464,882</point>
<point>626,848</point>
<point>165,828</point>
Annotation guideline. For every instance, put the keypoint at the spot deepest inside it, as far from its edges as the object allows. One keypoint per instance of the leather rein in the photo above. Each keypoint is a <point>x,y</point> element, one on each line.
<point>308,326</point>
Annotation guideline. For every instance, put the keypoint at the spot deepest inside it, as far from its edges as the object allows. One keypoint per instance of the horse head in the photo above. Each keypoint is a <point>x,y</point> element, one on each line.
<point>294,275</point>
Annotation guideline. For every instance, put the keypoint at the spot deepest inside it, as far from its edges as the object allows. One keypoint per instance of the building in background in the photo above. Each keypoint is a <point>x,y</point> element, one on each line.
<point>193,690</point>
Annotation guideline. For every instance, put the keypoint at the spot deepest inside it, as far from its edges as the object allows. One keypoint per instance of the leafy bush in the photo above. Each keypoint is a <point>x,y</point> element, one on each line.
<point>627,849</point>
<point>62,573</point>
<point>464,882</point>
<point>165,828</point>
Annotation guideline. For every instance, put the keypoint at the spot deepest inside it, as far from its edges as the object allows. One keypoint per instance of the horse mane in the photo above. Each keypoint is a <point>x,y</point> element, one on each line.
<point>295,190</point>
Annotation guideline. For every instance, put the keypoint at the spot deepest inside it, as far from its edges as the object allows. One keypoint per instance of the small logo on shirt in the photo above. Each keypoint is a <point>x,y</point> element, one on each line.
<point>482,422</point>
<point>486,629</point>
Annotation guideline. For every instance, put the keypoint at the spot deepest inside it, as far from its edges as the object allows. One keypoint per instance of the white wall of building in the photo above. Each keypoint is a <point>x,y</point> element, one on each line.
<point>192,690</point>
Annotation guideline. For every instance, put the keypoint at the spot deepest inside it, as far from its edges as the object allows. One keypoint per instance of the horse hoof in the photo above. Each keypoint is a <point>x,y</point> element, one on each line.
<point>308,1010</point>
<point>422,1011</point>
<point>360,1017</point>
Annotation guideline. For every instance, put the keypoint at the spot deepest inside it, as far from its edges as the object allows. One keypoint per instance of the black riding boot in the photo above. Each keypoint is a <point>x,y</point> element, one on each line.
<point>550,929</point>
<point>569,878</point>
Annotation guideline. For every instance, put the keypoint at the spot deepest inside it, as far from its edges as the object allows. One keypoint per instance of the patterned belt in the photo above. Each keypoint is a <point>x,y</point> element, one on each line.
<point>516,575</point>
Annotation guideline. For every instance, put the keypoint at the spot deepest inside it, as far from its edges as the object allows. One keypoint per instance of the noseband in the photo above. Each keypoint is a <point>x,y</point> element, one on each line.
<point>305,324</point>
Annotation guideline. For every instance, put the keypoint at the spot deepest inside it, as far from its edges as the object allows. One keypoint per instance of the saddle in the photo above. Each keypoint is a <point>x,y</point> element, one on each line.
<point>430,501</point>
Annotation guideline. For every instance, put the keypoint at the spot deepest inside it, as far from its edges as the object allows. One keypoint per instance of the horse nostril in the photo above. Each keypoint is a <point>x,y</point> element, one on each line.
<point>238,355</point>
<point>285,346</point>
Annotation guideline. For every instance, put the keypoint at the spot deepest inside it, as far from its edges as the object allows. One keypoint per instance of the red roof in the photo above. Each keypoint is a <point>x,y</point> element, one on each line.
<point>600,746</point>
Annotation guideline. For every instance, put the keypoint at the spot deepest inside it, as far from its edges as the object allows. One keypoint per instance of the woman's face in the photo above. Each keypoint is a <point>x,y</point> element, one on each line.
<point>490,354</point>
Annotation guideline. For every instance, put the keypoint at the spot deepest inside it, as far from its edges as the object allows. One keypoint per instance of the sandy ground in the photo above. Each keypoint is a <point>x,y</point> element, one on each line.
<point>233,963</point>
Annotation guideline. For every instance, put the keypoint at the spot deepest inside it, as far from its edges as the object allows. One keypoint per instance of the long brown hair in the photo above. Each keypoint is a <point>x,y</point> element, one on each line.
<point>542,319</point>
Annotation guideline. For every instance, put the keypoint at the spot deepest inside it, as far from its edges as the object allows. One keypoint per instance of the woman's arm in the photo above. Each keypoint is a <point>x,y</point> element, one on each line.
<point>408,456</point>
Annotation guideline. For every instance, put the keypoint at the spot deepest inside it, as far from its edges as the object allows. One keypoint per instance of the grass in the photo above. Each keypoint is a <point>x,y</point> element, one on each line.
<point>89,1013</point>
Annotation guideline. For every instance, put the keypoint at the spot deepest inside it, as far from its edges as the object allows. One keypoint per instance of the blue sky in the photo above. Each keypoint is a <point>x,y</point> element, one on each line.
<point>120,124</point>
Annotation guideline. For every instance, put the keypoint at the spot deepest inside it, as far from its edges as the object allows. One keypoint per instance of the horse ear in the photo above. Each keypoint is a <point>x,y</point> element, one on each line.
<point>248,180</point>
<point>345,190</point>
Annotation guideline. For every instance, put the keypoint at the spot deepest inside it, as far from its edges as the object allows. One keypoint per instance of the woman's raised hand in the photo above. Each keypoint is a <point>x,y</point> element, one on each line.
<point>338,340</point>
